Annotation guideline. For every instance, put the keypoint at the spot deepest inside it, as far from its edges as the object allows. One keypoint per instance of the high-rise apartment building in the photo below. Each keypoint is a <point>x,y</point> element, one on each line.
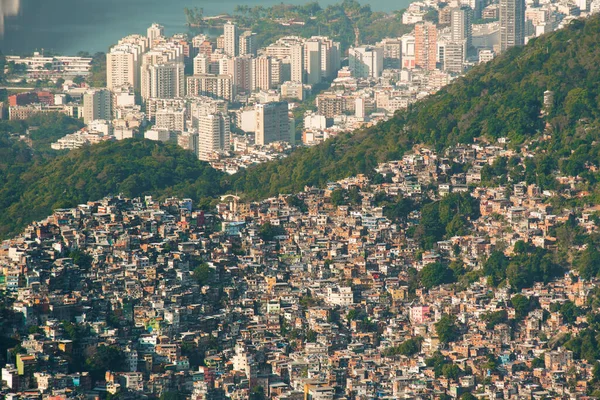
<point>154,105</point>
<point>231,39</point>
<point>408,51</point>
<point>97,105</point>
<point>330,56</point>
<point>247,45</point>
<point>273,123</point>
<point>454,57</point>
<point>425,45</point>
<point>461,26</point>
<point>312,61</point>
<point>240,70</point>
<point>171,119</point>
<point>392,52</point>
<point>123,62</point>
<point>122,67</point>
<point>262,73</point>
<point>201,64</point>
<point>512,23</point>
<point>215,86</point>
<point>213,134</point>
<point>297,63</point>
<point>366,61</point>
<point>277,72</point>
<point>155,31</point>
<point>163,81</point>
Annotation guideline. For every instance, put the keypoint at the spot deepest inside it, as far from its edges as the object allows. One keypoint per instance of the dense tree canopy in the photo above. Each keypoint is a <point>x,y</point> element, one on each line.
<point>34,186</point>
<point>447,329</point>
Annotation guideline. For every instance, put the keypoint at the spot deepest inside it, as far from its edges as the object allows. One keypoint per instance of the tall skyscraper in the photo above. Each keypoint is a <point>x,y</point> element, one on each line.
<point>97,105</point>
<point>231,39</point>
<point>461,25</point>
<point>213,134</point>
<point>247,43</point>
<point>425,45</point>
<point>512,23</point>
<point>272,123</point>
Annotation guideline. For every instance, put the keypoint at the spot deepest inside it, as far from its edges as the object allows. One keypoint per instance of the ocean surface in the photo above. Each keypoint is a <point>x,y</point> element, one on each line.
<point>68,26</point>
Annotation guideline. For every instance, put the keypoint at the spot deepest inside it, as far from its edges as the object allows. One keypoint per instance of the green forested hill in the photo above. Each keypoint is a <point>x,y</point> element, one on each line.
<point>502,98</point>
<point>132,167</point>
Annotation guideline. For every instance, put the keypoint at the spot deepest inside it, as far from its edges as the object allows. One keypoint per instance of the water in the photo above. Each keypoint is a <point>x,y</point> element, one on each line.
<point>69,26</point>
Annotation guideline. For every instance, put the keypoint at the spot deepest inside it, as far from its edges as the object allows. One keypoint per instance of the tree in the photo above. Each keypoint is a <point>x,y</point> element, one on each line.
<point>521,305</point>
<point>81,258</point>
<point>494,318</point>
<point>354,196</point>
<point>411,346</point>
<point>257,393</point>
<point>577,103</point>
<point>338,197</point>
<point>569,312</point>
<point>106,358</point>
<point>468,396</point>
<point>446,329</point>
<point>170,395</point>
<point>495,267</point>
<point>78,80</point>
<point>268,232</point>
<point>436,274</point>
<point>538,362</point>
<point>588,263</point>
<point>34,329</point>
<point>18,349</point>
<point>451,371</point>
<point>203,274</point>
<point>352,315</point>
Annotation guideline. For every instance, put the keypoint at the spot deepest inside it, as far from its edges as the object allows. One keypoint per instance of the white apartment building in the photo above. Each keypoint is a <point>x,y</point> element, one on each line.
<point>163,81</point>
<point>273,123</point>
<point>154,32</point>
<point>213,134</point>
<point>201,64</point>
<point>215,86</point>
<point>170,119</point>
<point>340,296</point>
<point>366,61</point>
<point>231,37</point>
<point>262,73</point>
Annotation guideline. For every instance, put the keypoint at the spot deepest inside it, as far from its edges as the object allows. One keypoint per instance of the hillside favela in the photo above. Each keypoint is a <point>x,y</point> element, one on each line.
<point>304,202</point>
